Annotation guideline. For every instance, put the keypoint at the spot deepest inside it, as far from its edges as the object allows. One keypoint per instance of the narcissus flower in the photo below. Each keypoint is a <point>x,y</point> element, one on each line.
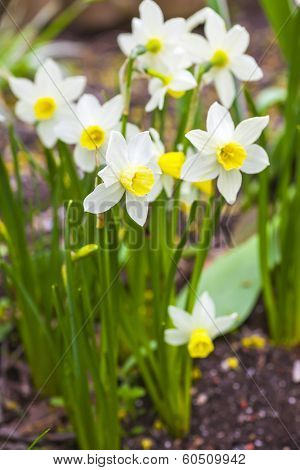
<point>173,81</point>
<point>161,39</point>
<point>225,151</point>
<point>130,170</point>
<point>226,51</point>
<point>199,329</point>
<point>46,100</point>
<point>89,128</point>
<point>170,164</point>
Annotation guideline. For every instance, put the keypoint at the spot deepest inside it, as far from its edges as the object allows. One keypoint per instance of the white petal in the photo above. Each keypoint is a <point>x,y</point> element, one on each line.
<point>157,91</point>
<point>85,159</point>
<point>246,68</point>
<point>168,184</point>
<point>151,16</point>
<point>222,325</point>
<point>225,87</point>
<point>108,176</point>
<point>24,111</point>
<point>126,43</point>
<point>137,208</point>
<point>140,149</point>
<point>175,337</point>
<point>204,313</point>
<point>23,89</point>
<point>182,320</point>
<point>182,81</point>
<point>68,130</point>
<point>110,112</point>
<point>229,183</point>
<point>102,198</point>
<point>72,87</point>
<point>203,141</point>
<point>48,78</point>
<point>219,122</point>
<point>257,159</point>
<point>117,152</point>
<point>174,28</point>
<point>249,130</point>
<point>215,29</point>
<point>197,18</point>
<point>46,133</point>
<point>200,168</point>
<point>156,190</point>
<point>88,109</point>
<point>237,40</point>
<point>204,308</point>
<point>197,47</point>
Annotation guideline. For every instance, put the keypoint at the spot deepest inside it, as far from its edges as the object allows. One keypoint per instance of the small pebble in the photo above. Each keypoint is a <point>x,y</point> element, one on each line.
<point>296,372</point>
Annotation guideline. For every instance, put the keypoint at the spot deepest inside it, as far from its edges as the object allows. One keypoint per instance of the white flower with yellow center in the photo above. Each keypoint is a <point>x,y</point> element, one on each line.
<point>130,170</point>
<point>199,329</point>
<point>225,151</point>
<point>173,81</point>
<point>170,164</point>
<point>161,39</point>
<point>89,128</point>
<point>47,99</point>
<point>226,51</point>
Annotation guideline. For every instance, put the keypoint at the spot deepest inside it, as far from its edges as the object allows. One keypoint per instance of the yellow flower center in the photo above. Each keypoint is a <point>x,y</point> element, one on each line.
<point>231,155</point>
<point>138,180</point>
<point>154,45</point>
<point>220,58</point>
<point>200,344</point>
<point>171,163</point>
<point>92,137</point>
<point>206,187</point>
<point>44,108</point>
<point>175,94</point>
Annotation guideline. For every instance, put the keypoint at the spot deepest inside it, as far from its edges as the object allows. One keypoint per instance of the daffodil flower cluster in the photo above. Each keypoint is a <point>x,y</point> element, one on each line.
<point>122,165</point>
<point>171,48</point>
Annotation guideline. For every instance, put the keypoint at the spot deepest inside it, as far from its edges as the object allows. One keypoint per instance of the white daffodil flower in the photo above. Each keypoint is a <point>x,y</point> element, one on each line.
<point>226,51</point>
<point>170,164</point>
<point>130,170</point>
<point>47,100</point>
<point>199,329</point>
<point>162,40</point>
<point>225,151</point>
<point>173,81</point>
<point>89,128</point>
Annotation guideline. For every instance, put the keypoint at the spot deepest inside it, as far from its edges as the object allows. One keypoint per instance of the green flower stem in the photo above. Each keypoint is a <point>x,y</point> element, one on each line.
<point>203,69</point>
<point>210,221</point>
<point>139,50</point>
<point>264,253</point>
<point>190,108</point>
<point>264,249</point>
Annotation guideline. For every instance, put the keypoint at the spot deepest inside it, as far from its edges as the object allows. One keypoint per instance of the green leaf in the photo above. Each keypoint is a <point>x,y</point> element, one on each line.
<point>280,14</point>
<point>270,96</point>
<point>233,279</point>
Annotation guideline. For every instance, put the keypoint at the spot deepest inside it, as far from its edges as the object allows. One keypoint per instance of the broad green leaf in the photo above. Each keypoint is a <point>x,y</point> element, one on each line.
<point>233,279</point>
<point>280,15</point>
